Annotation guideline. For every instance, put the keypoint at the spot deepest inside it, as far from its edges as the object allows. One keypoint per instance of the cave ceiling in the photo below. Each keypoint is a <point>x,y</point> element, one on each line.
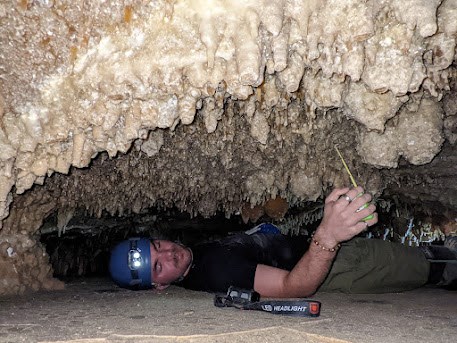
<point>211,107</point>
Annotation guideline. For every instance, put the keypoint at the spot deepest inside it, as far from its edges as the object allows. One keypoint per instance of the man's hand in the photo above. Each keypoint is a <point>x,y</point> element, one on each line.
<point>344,215</point>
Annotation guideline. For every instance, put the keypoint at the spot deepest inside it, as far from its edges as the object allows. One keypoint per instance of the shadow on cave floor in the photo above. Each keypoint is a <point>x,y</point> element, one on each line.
<point>94,310</point>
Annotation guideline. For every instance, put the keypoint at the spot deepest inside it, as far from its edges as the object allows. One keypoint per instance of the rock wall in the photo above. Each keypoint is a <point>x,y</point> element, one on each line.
<point>226,102</point>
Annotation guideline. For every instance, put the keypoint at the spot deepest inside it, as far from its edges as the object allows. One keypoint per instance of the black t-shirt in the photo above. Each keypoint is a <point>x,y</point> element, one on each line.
<point>233,261</point>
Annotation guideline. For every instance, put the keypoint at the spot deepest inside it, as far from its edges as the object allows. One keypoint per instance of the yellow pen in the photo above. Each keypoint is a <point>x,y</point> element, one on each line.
<point>353,181</point>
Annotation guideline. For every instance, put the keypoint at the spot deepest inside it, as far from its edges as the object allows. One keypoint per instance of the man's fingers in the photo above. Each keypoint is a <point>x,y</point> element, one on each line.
<point>363,212</point>
<point>352,195</point>
<point>360,202</point>
<point>362,226</point>
<point>374,220</point>
<point>365,224</point>
<point>335,194</point>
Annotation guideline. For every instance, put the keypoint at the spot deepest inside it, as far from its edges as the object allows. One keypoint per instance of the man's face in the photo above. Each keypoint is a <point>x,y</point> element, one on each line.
<point>169,261</point>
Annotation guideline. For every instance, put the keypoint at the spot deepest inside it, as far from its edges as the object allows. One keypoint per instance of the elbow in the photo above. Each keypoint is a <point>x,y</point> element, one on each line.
<point>311,292</point>
<point>293,289</point>
<point>307,292</point>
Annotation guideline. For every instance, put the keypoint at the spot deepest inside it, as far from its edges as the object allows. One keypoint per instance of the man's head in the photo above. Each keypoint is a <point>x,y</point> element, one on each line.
<point>140,263</point>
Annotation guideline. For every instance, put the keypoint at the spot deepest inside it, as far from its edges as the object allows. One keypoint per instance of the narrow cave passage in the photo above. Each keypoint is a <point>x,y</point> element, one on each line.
<point>82,247</point>
<point>92,309</point>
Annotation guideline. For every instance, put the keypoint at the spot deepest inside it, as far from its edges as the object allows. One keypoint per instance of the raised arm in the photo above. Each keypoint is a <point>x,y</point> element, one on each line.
<point>342,220</point>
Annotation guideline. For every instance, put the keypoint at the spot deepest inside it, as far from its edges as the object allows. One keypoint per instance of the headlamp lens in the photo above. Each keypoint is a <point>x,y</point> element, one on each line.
<point>135,259</point>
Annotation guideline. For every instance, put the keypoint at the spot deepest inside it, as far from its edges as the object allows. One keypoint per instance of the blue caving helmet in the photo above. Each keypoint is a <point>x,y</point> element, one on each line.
<point>130,264</point>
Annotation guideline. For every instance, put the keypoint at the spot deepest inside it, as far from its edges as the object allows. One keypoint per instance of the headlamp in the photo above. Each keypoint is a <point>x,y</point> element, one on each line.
<point>135,259</point>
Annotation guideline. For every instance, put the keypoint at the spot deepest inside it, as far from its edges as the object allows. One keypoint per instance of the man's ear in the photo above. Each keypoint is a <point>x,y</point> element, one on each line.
<point>161,287</point>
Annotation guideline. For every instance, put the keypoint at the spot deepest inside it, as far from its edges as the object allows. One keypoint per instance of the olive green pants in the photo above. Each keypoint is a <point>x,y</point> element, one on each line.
<point>376,266</point>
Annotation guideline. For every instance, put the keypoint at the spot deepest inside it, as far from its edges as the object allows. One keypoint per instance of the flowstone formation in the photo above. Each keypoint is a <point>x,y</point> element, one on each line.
<point>209,105</point>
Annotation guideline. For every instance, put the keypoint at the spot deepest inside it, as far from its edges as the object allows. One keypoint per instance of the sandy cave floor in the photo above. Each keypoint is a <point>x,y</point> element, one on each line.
<point>94,310</point>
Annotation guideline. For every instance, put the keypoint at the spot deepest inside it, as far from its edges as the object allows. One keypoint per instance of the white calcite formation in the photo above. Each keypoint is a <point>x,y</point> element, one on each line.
<point>81,78</point>
<point>406,137</point>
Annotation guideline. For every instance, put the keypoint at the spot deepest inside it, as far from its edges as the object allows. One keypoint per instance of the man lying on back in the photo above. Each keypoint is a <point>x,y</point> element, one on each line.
<point>281,266</point>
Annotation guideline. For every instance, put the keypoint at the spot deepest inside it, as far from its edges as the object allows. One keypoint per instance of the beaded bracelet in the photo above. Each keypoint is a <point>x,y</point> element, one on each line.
<point>324,248</point>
